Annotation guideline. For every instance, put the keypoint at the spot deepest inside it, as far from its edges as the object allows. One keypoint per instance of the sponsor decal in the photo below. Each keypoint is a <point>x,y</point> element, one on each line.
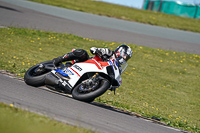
<point>65,83</point>
<point>113,64</point>
<point>65,72</point>
<point>77,67</point>
<point>68,72</point>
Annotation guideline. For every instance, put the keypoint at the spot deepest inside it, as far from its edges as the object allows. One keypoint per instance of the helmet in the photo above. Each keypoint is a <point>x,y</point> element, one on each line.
<point>124,51</point>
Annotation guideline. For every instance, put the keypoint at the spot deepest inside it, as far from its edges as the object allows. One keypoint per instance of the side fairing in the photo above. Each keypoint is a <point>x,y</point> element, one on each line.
<point>75,72</point>
<point>79,69</point>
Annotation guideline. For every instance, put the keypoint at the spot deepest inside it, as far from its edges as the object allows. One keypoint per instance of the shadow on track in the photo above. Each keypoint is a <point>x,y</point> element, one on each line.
<point>8,8</point>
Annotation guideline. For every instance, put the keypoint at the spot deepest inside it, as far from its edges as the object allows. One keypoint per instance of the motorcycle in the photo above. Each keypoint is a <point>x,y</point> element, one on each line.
<point>84,80</point>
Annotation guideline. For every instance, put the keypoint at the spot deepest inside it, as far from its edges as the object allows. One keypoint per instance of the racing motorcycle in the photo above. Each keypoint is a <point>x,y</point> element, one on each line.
<point>84,80</point>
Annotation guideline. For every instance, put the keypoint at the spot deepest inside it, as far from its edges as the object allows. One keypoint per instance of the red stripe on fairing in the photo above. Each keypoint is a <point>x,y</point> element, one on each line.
<point>99,64</point>
<point>75,71</point>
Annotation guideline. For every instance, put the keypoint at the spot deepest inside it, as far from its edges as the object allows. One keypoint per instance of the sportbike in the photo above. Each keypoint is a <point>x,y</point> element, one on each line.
<point>84,80</point>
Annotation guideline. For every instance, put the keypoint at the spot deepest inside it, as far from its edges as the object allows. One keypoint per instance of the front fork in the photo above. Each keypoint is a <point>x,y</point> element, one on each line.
<point>91,83</point>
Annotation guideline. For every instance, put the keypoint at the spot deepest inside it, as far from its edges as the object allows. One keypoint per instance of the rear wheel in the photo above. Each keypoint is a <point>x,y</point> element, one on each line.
<point>80,92</point>
<point>35,76</point>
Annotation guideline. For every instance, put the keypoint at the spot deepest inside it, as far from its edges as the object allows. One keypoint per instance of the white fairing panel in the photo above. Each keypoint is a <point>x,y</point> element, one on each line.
<point>76,71</point>
<point>79,69</point>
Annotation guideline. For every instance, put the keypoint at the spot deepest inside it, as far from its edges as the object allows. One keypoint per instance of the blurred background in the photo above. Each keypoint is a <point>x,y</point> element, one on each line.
<point>184,8</point>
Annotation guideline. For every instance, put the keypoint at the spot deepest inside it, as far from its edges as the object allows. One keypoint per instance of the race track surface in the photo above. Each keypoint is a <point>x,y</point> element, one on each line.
<point>66,109</point>
<point>20,13</point>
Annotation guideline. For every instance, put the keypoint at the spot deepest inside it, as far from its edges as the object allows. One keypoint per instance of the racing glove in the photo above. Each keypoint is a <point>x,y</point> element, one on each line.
<point>93,50</point>
<point>57,61</point>
<point>104,53</point>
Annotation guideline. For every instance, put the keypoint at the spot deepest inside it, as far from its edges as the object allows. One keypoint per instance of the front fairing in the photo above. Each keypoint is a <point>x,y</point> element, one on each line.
<point>117,68</point>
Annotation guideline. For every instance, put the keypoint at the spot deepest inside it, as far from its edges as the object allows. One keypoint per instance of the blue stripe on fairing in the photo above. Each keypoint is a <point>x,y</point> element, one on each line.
<point>65,72</point>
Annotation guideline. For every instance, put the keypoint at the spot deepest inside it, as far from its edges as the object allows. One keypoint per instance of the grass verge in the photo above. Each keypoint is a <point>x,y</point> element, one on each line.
<point>14,120</point>
<point>126,13</point>
<point>159,83</point>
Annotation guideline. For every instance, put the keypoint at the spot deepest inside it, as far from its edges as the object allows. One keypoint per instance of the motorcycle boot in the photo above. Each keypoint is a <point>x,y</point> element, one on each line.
<point>79,55</point>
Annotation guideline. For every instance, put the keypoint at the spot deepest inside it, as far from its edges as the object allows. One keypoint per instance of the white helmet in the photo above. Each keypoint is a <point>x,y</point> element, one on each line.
<point>124,51</point>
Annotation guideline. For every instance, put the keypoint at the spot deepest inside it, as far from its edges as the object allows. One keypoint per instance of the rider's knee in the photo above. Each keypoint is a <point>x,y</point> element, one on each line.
<point>81,54</point>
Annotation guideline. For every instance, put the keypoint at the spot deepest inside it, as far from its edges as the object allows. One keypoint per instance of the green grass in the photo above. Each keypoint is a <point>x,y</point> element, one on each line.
<point>157,82</point>
<point>14,120</point>
<point>126,13</point>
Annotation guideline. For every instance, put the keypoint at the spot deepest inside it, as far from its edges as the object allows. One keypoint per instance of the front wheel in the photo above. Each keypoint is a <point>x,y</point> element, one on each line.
<point>36,76</point>
<point>88,96</point>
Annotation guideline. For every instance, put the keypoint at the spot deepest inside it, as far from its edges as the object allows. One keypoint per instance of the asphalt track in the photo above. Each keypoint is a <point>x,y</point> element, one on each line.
<point>65,109</point>
<point>61,107</point>
<point>20,13</point>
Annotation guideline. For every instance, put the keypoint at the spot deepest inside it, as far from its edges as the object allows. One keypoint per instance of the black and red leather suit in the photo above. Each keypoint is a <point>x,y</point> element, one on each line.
<point>81,55</point>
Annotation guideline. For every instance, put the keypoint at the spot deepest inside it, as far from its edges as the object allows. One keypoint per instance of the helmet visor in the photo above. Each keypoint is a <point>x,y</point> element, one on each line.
<point>124,55</point>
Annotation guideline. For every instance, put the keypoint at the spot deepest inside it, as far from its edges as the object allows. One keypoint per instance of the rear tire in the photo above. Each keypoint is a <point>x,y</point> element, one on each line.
<point>39,80</point>
<point>90,96</point>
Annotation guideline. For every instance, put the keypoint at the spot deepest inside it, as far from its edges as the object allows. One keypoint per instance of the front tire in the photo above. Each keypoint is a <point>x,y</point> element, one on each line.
<point>36,80</point>
<point>90,96</point>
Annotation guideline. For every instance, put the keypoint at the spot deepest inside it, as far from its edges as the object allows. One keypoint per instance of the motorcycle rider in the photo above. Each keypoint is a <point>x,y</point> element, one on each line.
<point>122,53</point>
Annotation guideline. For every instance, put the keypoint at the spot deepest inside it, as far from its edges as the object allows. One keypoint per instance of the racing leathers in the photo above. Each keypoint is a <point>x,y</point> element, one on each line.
<point>80,55</point>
